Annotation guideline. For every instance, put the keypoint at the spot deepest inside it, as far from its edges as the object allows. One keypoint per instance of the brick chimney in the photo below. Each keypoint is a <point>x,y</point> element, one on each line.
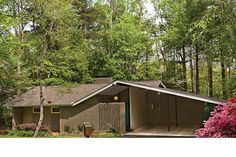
<point>103,80</point>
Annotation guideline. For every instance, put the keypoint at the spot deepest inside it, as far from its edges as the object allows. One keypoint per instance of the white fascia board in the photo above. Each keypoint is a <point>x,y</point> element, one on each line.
<point>172,93</point>
<point>95,93</point>
<point>162,90</point>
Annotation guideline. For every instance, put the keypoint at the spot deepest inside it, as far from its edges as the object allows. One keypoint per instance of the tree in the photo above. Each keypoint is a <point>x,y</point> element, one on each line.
<point>222,121</point>
<point>48,16</point>
<point>130,43</point>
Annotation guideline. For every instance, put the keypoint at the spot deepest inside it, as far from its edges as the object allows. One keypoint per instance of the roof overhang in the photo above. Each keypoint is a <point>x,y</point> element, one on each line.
<point>157,89</point>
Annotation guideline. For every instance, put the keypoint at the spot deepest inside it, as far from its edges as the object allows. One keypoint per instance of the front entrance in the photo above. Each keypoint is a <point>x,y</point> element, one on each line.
<point>55,122</point>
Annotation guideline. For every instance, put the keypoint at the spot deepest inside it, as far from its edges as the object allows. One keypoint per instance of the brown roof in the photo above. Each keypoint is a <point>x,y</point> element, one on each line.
<point>56,94</point>
<point>63,96</point>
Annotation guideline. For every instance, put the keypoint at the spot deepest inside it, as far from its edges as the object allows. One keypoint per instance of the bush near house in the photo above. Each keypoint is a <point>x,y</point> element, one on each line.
<point>222,122</point>
<point>28,129</point>
<point>31,126</point>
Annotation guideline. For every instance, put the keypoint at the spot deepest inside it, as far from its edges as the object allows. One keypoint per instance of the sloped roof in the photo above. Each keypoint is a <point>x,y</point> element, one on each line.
<point>64,96</point>
<point>75,95</point>
<point>56,94</point>
<point>157,89</point>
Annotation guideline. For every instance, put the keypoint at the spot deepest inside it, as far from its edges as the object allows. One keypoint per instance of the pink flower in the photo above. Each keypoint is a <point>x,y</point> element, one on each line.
<point>222,122</point>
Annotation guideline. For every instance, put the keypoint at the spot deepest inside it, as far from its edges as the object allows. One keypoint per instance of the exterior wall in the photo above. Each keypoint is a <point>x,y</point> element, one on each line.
<point>159,109</point>
<point>69,116</point>
<point>87,111</point>
<point>139,108</point>
<point>26,115</point>
<point>73,116</point>
<point>190,112</point>
<point>155,107</point>
<point>182,111</point>
<point>17,116</point>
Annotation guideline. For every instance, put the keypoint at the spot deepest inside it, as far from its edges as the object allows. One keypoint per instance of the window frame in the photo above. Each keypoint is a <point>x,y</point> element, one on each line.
<point>36,108</point>
<point>55,112</point>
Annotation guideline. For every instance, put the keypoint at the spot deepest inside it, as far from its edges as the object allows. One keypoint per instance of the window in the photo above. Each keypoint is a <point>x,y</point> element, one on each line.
<point>36,110</point>
<point>55,110</point>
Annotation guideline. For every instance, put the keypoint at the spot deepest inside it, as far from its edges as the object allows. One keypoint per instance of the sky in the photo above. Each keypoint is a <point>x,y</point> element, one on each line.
<point>150,8</point>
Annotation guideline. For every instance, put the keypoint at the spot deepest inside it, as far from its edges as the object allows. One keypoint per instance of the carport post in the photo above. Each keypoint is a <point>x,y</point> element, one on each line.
<point>168,105</point>
<point>176,112</point>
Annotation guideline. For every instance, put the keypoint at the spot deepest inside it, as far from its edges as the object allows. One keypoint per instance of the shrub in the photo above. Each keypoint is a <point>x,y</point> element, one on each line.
<point>28,129</point>
<point>80,127</point>
<point>21,133</point>
<point>3,132</point>
<point>5,117</point>
<point>222,122</point>
<point>113,130</point>
<point>28,133</point>
<point>66,128</point>
<point>32,127</point>
<point>44,134</point>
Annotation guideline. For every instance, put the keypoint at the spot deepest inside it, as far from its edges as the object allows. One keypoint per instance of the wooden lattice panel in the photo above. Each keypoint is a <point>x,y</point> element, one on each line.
<point>109,116</point>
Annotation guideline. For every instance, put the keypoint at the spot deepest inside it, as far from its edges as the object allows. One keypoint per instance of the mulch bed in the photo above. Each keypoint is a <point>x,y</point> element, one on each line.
<point>3,132</point>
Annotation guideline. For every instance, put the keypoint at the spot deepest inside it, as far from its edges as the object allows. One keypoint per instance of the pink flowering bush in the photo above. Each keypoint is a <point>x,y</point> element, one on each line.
<point>32,127</point>
<point>222,122</point>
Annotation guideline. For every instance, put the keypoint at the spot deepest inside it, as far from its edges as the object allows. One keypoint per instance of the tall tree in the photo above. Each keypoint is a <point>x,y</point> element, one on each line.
<point>46,25</point>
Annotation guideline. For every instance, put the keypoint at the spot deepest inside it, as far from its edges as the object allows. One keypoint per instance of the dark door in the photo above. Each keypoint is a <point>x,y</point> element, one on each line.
<point>127,116</point>
<point>55,122</point>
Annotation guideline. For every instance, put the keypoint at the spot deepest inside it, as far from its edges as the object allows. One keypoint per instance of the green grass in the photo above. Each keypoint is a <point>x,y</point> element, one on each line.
<point>65,136</point>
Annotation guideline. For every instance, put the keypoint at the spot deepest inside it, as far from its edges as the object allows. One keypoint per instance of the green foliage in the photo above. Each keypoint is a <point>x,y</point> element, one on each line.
<point>80,127</point>
<point>29,133</point>
<point>28,129</point>
<point>5,117</point>
<point>130,45</point>
<point>67,128</point>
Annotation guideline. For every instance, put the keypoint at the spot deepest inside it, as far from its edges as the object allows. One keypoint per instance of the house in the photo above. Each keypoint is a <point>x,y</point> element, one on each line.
<point>134,108</point>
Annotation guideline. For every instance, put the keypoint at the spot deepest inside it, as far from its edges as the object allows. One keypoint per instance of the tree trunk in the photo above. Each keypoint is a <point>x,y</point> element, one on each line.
<point>19,33</point>
<point>191,69</point>
<point>197,70</point>
<point>229,78</point>
<point>184,68</point>
<point>222,63</point>
<point>141,7</point>
<point>210,78</point>
<point>41,97</point>
<point>146,65</point>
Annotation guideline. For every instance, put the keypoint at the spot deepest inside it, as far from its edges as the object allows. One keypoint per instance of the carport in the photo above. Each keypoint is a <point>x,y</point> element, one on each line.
<point>165,112</point>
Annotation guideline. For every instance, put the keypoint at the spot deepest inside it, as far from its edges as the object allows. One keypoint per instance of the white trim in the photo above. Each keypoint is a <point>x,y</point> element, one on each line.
<point>130,109</point>
<point>162,90</point>
<point>93,94</point>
